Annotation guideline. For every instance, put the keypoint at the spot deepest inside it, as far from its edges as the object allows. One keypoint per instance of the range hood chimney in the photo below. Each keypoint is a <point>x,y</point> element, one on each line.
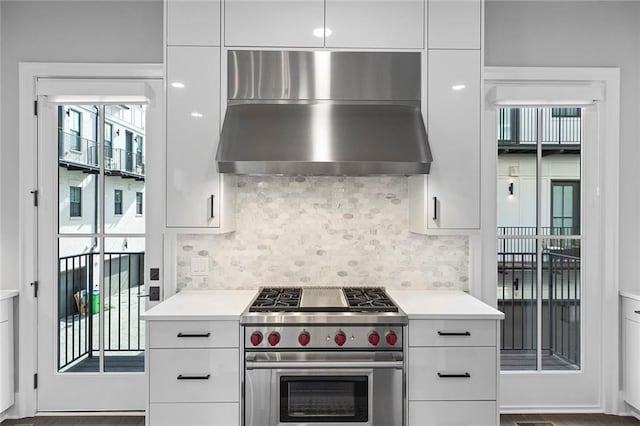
<point>323,113</point>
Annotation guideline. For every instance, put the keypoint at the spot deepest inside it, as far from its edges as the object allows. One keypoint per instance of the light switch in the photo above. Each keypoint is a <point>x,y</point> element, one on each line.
<point>199,266</point>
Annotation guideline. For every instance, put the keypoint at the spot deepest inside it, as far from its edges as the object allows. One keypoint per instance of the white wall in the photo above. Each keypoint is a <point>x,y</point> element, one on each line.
<point>576,33</point>
<point>61,31</point>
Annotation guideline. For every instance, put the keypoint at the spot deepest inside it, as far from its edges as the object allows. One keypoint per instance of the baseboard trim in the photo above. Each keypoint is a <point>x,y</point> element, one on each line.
<point>578,409</point>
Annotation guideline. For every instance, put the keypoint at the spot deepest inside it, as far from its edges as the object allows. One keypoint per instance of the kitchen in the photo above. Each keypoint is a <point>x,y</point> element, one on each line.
<point>350,225</point>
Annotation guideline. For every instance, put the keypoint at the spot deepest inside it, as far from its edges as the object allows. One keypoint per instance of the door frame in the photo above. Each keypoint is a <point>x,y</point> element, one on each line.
<point>28,73</point>
<point>568,82</point>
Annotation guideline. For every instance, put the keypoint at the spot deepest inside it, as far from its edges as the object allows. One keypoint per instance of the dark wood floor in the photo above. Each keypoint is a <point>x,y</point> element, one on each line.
<point>505,420</point>
<point>567,420</point>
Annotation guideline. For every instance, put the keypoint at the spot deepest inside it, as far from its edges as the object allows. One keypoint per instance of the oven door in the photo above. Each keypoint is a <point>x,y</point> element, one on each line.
<point>322,389</point>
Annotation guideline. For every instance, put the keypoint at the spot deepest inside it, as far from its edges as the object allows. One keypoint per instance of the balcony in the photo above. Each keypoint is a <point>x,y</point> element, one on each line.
<point>517,299</point>
<point>78,153</point>
<point>79,319</point>
<point>561,130</point>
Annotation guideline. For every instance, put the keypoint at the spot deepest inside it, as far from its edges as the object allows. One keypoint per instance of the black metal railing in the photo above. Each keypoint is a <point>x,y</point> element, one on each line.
<point>79,305</point>
<point>520,126</point>
<point>518,297</point>
<point>75,151</point>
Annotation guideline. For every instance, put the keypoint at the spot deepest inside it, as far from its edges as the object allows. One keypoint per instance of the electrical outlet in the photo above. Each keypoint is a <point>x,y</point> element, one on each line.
<point>199,266</point>
<point>154,293</point>
<point>154,274</point>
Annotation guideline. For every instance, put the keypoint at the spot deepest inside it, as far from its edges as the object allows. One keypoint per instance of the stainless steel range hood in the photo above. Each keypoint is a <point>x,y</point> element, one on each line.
<point>323,113</point>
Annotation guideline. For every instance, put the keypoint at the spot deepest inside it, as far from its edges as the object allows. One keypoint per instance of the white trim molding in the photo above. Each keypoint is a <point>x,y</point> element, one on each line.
<point>29,73</point>
<point>537,86</point>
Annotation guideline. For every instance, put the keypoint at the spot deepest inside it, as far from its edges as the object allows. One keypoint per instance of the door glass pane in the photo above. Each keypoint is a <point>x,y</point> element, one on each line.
<point>124,169</point>
<point>77,308</point>
<point>517,296</point>
<point>561,304</point>
<point>78,168</point>
<point>123,284</point>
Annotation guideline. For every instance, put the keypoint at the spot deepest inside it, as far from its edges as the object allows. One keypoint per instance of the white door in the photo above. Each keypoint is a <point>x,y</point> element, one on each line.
<point>548,257</point>
<point>93,234</point>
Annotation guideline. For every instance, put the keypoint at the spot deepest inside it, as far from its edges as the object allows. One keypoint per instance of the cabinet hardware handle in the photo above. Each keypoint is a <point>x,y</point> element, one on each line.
<point>206,377</point>
<point>194,334</point>
<point>213,215</point>
<point>637,312</point>
<point>454,375</point>
<point>435,208</point>
<point>454,333</point>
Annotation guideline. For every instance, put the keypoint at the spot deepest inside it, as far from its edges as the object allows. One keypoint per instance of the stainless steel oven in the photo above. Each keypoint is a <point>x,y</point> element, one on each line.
<point>324,388</point>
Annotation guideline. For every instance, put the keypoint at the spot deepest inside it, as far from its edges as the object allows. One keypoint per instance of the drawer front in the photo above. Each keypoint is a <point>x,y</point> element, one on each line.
<point>446,374</point>
<point>443,413</point>
<point>629,308</point>
<point>194,375</point>
<point>194,334</point>
<point>222,414</point>
<point>452,333</point>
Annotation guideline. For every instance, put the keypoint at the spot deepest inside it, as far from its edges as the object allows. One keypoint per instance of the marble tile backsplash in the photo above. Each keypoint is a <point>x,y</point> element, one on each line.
<point>323,231</point>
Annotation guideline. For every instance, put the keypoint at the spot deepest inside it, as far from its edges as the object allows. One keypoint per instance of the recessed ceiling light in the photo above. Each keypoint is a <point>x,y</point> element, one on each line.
<point>196,114</point>
<point>177,85</point>
<point>458,87</point>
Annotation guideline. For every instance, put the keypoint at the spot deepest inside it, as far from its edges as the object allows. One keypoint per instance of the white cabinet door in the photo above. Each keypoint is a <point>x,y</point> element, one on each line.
<point>284,23</point>
<point>452,413</point>
<point>218,414</point>
<point>453,122</point>
<point>379,24</point>
<point>193,130</point>
<point>631,376</point>
<point>454,24</point>
<point>6,354</point>
<point>193,22</point>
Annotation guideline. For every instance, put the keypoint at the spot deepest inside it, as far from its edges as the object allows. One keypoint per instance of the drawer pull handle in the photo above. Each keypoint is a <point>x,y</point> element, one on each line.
<point>637,312</point>
<point>454,333</point>
<point>206,377</point>
<point>194,334</point>
<point>454,375</point>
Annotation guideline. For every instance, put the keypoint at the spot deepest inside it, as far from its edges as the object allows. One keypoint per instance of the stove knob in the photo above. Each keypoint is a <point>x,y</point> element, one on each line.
<point>374,338</point>
<point>274,338</point>
<point>304,338</point>
<point>392,338</point>
<point>256,338</point>
<point>340,338</point>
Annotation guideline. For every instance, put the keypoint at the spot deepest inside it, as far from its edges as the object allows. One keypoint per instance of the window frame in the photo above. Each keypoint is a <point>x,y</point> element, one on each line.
<point>139,203</point>
<point>76,133</point>
<point>117,204</point>
<point>73,189</point>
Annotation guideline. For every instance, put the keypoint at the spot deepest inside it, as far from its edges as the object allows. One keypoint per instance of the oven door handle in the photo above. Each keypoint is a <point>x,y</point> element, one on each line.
<point>255,365</point>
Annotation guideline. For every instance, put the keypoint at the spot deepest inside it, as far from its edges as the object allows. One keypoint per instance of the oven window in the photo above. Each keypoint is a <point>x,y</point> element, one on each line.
<point>324,399</point>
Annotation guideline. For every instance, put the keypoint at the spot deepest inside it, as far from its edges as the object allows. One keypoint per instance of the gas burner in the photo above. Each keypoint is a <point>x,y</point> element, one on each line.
<point>369,299</point>
<point>277,300</point>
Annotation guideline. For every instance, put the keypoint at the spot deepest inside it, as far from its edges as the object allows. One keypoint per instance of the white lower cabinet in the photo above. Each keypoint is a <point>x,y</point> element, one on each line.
<point>222,414</point>
<point>6,354</point>
<point>194,373</point>
<point>447,413</point>
<point>631,351</point>
<point>452,372</point>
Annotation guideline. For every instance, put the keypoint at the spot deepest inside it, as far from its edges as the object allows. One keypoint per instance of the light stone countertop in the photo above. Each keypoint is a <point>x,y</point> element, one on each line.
<point>8,294</point>
<point>216,305</point>
<point>229,304</point>
<point>631,294</point>
<point>443,304</point>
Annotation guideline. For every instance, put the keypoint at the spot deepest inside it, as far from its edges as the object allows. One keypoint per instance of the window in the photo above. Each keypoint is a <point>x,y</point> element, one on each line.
<point>128,151</point>
<point>566,112</point>
<point>139,146</point>
<point>117,201</point>
<point>108,140</point>
<point>139,203</point>
<point>565,207</point>
<point>75,201</point>
<point>75,129</point>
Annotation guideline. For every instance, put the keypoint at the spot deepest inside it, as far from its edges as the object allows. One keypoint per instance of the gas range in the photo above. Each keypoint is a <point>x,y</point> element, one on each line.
<point>318,356</point>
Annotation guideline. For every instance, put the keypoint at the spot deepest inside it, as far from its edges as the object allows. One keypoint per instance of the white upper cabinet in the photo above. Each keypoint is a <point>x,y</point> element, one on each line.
<point>193,131</point>
<point>267,23</point>
<point>382,24</point>
<point>193,22</point>
<point>453,126</point>
<point>454,24</point>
